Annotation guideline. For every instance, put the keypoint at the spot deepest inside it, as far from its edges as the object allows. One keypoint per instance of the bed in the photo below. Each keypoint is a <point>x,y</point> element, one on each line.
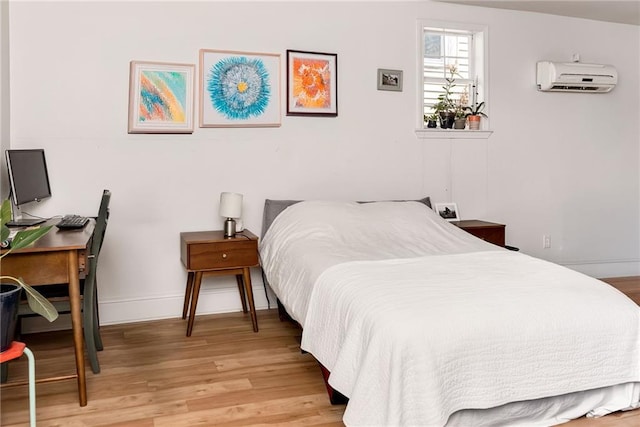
<point>421,323</point>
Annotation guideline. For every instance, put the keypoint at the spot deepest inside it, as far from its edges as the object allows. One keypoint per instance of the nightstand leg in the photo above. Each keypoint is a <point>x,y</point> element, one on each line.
<point>194,301</point>
<point>187,294</point>
<point>241,291</point>
<point>246,275</point>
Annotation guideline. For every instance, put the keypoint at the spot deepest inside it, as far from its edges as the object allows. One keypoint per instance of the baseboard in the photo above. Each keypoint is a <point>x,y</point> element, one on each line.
<point>210,301</point>
<point>606,268</point>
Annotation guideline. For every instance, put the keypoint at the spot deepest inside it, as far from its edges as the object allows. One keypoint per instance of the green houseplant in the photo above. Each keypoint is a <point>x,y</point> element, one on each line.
<point>10,292</point>
<point>461,119</point>
<point>474,115</point>
<point>446,105</point>
<point>431,120</point>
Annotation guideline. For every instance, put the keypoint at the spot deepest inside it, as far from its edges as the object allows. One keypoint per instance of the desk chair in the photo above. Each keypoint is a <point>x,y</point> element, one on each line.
<point>59,294</point>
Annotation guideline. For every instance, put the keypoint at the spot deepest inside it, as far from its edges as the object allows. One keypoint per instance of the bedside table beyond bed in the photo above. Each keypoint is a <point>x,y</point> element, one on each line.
<point>210,253</point>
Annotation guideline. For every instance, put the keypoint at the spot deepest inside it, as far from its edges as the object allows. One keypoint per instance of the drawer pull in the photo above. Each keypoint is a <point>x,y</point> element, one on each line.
<point>224,256</point>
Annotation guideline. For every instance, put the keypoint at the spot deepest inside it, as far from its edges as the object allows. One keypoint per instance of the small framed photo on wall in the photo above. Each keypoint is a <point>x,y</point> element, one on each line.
<point>448,211</point>
<point>389,79</point>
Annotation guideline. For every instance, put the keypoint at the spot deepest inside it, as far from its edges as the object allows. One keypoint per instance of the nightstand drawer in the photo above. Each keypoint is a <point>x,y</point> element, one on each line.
<point>217,255</point>
<point>491,235</point>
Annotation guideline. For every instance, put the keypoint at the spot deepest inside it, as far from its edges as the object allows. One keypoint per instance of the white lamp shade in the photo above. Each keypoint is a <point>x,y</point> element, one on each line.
<point>231,205</point>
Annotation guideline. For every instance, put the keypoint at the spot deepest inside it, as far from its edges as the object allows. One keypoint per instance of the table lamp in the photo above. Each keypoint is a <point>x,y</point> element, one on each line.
<point>230,208</point>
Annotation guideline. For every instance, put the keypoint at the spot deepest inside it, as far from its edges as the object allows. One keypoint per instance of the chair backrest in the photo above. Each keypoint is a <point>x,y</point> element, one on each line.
<point>101,224</point>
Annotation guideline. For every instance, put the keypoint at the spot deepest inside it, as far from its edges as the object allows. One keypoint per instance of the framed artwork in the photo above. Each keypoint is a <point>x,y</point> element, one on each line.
<point>448,211</point>
<point>312,84</point>
<point>239,89</point>
<point>161,97</point>
<point>390,80</point>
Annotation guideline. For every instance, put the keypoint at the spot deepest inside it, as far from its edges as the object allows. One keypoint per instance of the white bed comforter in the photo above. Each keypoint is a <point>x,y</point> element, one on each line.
<point>417,319</point>
<point>309,237</point>
<point>412,341</point>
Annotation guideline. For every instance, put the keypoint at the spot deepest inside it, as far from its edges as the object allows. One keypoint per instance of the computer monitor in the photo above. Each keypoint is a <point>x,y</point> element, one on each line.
<point>28,179</point>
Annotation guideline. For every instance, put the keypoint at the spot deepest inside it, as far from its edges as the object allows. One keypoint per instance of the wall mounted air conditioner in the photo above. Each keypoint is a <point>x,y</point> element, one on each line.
<point>575,77</point>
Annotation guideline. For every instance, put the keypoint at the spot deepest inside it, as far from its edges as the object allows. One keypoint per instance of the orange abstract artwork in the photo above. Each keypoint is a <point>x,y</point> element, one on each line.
<point>311,83</point>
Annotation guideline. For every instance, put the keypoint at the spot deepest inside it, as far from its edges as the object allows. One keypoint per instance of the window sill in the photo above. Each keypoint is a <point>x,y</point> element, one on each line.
<point>453,134</point>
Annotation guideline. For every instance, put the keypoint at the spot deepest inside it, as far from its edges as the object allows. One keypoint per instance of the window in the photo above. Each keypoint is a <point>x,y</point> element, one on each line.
<point>449,50</point>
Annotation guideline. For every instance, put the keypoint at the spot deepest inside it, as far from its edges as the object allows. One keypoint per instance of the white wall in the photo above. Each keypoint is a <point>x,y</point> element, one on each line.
<point>558,164</point>
<point>4,92</point>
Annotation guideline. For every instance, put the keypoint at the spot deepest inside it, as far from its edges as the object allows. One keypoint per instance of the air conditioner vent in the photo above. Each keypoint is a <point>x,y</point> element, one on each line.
<point>578,88</point>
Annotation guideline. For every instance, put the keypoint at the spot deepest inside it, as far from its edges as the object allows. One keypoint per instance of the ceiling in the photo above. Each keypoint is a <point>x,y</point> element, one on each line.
<point>624,12</point>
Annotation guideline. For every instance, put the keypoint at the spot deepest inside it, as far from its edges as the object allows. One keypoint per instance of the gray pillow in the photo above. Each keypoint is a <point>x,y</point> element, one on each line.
<point>272,209</point>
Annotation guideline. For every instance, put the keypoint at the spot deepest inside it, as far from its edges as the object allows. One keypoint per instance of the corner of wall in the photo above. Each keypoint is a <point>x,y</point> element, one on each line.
<point>5,116</point>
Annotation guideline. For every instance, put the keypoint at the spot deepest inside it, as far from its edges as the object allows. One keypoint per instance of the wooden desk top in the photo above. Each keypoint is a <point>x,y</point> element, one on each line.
<point>57,240</point>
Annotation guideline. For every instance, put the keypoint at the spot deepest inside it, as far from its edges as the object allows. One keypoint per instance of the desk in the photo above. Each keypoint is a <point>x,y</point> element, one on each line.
<point>58,257</point>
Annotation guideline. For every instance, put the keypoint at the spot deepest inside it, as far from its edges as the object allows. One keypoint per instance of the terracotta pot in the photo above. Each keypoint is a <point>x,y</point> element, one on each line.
<point>474,122</point>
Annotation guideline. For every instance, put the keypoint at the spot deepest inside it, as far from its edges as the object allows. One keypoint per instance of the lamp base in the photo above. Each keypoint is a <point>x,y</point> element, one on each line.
<point>229,228</point>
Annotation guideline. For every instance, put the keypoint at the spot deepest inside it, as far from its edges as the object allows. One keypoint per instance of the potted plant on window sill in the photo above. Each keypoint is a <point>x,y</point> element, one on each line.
<point>431,120</point>
<point>474,115</point>
<point>11,287</point>
<point>446,106</point>
<point>460,121</point>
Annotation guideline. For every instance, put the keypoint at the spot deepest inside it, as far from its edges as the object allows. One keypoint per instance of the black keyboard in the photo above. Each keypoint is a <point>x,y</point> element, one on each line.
<point>72,221</point>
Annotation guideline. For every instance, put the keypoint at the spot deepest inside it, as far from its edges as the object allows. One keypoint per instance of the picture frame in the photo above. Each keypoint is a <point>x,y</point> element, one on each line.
<point>389,79</point>
<point>239,89</point>
<point>312,84</point>
<point>161,97</point>
<point>448,211</point>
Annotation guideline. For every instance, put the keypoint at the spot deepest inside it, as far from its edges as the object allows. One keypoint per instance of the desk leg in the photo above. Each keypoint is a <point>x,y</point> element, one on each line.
<point>76,322</point>
<point>241,291</point>
<point>194,301</point>
<point>246,275</point>
<point>187,295</point>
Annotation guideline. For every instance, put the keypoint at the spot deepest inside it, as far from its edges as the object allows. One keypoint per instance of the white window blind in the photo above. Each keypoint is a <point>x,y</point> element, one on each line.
<point>446,51</point>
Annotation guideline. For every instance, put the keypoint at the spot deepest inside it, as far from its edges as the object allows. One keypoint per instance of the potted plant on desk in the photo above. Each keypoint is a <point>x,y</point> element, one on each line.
<point>11,287</point>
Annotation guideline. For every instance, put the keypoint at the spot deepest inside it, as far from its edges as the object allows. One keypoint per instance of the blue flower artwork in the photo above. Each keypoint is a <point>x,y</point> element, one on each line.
<point>239,87</point>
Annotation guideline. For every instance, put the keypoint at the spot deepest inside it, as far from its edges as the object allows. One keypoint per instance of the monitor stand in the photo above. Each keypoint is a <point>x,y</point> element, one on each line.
<point>25,222</point>
<point>19,221</point>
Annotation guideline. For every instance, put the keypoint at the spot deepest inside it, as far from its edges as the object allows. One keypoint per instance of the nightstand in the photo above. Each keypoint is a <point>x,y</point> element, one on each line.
<point>489,231</point>
<point>210,253</point>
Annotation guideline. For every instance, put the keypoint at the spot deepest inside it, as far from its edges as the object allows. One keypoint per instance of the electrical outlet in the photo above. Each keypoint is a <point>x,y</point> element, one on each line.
<point>546,241</point>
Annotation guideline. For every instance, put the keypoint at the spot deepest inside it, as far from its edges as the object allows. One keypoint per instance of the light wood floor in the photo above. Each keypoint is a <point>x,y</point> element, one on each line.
<point>224,374</point>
